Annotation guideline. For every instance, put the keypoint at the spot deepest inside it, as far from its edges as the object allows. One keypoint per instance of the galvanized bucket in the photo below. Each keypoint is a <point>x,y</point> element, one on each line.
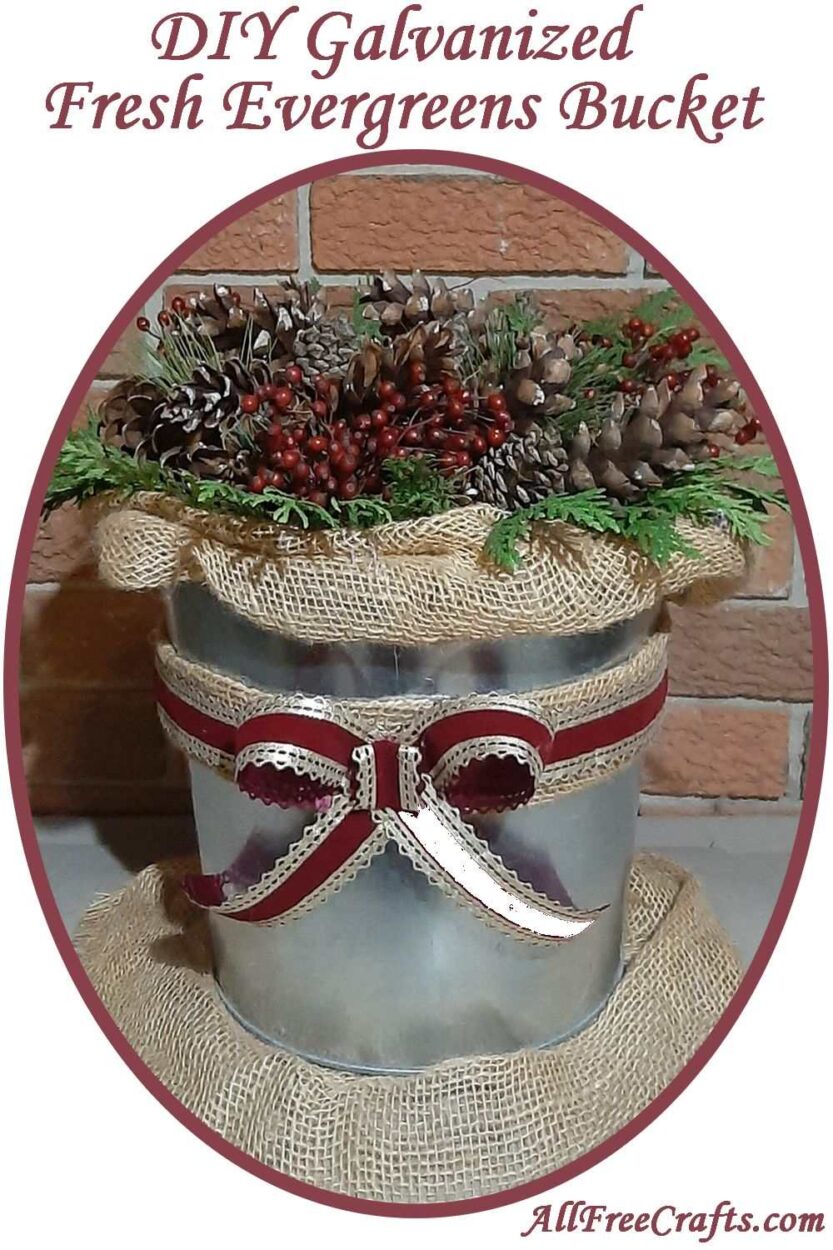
<point>390,974</point>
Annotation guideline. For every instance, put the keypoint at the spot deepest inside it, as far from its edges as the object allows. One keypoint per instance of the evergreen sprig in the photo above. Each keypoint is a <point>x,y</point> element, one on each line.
<point>588,509</point>
<point>86,467</point>
<point>416,489</point>
<point>705,495</point>
<point>595,375</point>
<point>702,495</point>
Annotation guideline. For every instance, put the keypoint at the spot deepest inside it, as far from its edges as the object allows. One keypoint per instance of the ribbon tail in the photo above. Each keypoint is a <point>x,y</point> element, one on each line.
<point>330,852</point>
<point>441,845</point>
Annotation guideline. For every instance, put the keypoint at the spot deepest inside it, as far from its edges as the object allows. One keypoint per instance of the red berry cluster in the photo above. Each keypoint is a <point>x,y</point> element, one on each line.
<point>171,320</point>
<point>445,419</point>
<point>322,449</point>
<point>747,433</point>
<point>299,452</point>
<point>653,359</point>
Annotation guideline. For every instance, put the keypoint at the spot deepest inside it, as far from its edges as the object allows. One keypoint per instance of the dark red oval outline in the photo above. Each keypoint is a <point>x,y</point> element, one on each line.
<point>12,653</point>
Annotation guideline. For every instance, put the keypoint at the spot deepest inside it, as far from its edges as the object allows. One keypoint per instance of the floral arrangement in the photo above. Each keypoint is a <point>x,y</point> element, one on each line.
<point>427,399</point>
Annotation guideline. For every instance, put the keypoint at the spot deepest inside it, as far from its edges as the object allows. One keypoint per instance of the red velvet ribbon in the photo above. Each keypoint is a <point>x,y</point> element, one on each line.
<point>480,784</point>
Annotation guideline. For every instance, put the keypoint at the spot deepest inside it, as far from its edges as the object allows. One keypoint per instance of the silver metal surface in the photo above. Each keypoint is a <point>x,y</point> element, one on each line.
<point>390,974</point>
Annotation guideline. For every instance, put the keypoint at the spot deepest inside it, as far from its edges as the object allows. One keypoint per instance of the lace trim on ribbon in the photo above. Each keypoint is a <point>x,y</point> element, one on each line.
<point>562,707</point>
<point>446,850</point>
<point>299,853</point>
<point>280,755</point>
<point>379,789</point>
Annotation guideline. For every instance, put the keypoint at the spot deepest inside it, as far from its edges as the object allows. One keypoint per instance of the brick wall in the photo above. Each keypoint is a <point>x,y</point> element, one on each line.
<point>734,736</point>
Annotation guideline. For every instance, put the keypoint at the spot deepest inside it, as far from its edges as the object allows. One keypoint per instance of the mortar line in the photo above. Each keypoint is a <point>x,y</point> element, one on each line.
<point>305,266</point>
<point>759,602</point>
<point>496,282</point>
<point>798,588</point>
<point>636,265</point>
<point>88,685</point>
<point>741,702</point>
<point>783,806</point>
<point>795,750</point>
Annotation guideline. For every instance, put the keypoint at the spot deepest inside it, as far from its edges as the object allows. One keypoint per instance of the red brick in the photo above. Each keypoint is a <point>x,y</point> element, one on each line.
<point>771,568</point>
<point>62,544</point>
<point>338,299</point>
<point>62,547</point>
<point>719,751</point>
<point>564,308</point>
<point>263,240</point>
<point>454,225</point>
<point>87,634</point>
<point>90,735</point>
<point>129,355</point>
<point>741,650</point>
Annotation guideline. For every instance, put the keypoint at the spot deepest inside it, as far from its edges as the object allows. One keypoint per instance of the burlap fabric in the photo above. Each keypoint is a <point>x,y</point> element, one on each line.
<point>414,582</point>
<point>461,1129</point>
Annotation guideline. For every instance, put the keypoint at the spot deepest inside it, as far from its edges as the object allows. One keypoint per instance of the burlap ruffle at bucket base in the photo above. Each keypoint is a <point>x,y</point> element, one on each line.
<point>461,1129</point>
<point>408,583</point>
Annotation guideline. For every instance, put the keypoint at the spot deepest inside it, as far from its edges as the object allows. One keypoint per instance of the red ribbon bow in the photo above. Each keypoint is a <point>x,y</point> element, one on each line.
<point>487,757</point>
<point>461,747</point>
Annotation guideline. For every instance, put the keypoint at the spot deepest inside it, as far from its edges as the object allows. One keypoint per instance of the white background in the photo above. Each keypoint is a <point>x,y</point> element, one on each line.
<point>88,216</point>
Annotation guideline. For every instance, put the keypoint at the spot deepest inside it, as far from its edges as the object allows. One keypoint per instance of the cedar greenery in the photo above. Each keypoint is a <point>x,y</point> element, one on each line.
<point>86,467</point>
<point>417,489</point>
<point>703,495</point>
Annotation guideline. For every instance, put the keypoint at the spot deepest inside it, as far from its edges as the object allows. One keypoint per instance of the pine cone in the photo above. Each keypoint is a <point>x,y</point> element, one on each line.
<point>281,325</point>
<point>387,300</point>
<point>434,347</point>
<point>512,349</point>
<point>221,318</point>
<point>325,347</point>
<point>541,372</point>
<point>527,468</point>
<point>198,427</point>
<point>667,432</point>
